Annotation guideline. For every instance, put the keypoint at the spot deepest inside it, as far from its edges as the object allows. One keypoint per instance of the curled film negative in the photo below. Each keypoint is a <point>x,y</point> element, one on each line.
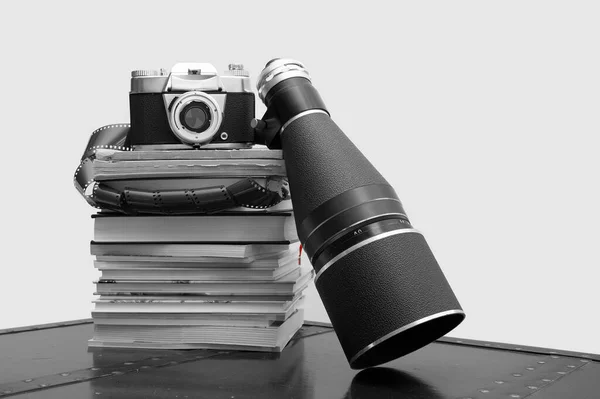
<point>246,192</point>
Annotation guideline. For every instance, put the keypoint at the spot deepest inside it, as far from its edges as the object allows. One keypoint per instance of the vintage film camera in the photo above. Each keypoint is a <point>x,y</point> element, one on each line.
<point>192,106</point>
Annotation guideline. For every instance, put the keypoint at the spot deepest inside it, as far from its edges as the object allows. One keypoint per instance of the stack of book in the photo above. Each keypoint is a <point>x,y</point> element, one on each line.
<point>231,280</point>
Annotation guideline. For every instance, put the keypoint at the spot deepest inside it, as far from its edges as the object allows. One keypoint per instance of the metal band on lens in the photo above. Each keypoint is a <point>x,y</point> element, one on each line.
<point>301,114</point>
<point>362,244</point>
<point>338,225</point>
<point>277,71</point>
<point>342,202</point>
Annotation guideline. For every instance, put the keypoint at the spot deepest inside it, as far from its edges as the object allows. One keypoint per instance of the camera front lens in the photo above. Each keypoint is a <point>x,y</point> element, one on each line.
<point>196,117</point>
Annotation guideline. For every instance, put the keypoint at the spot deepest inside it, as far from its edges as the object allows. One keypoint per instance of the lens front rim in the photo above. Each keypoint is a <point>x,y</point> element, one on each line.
<point>388,298</point>
<point>189,136</point>
<point>444,322</point>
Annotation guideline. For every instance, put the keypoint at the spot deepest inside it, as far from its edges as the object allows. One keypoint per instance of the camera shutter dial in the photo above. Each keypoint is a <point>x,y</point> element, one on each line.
<point>237,70</point>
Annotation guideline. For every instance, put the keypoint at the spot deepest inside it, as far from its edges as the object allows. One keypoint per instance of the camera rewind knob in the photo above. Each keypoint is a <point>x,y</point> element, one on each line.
<point>145,72</point>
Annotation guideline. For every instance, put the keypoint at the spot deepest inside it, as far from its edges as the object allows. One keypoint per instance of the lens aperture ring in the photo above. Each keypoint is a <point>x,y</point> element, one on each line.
<point>352,219</point>
<point>340,203</point>
<point>358,238</point>
<point>349,218</point>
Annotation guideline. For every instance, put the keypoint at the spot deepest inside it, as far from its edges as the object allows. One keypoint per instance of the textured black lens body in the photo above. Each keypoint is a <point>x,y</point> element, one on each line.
<point>382,288</point>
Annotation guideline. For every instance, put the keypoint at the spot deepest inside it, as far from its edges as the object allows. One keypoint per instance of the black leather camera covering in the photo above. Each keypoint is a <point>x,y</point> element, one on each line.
<point>150,124</point>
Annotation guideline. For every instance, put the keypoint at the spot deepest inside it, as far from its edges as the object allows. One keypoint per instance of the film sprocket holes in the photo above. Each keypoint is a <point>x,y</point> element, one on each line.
<point>191,108</point>
<point>383,289</point>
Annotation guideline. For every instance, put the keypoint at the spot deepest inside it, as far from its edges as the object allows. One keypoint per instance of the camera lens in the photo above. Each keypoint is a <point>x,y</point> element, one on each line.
<point>383,289</point>
<point>195,117</point>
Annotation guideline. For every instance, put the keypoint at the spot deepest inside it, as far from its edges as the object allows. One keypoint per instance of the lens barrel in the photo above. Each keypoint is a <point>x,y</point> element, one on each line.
<point>382,288</point>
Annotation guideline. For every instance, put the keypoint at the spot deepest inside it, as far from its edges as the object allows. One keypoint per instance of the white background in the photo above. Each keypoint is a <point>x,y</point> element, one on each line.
<point>483,115</point>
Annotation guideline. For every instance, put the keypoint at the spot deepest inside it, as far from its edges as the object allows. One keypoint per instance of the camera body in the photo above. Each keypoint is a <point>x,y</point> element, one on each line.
<point>191,107</point>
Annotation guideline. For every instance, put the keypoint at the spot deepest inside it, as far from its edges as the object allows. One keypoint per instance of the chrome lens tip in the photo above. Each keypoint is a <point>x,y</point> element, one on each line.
<point>407,339</point>
<point>277,70</point>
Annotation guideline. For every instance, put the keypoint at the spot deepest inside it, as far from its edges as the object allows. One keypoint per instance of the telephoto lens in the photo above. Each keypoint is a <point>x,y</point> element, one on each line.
<point>382,288</point>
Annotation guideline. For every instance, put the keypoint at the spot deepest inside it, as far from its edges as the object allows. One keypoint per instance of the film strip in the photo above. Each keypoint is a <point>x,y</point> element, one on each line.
<point>244,193</point>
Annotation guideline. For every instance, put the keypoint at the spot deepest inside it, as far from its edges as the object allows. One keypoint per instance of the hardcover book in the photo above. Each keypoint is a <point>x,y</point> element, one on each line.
<point>232,227</point>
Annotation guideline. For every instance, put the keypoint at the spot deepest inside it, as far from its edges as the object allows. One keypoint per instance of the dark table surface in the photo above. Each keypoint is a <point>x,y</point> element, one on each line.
<point>53,361</point>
